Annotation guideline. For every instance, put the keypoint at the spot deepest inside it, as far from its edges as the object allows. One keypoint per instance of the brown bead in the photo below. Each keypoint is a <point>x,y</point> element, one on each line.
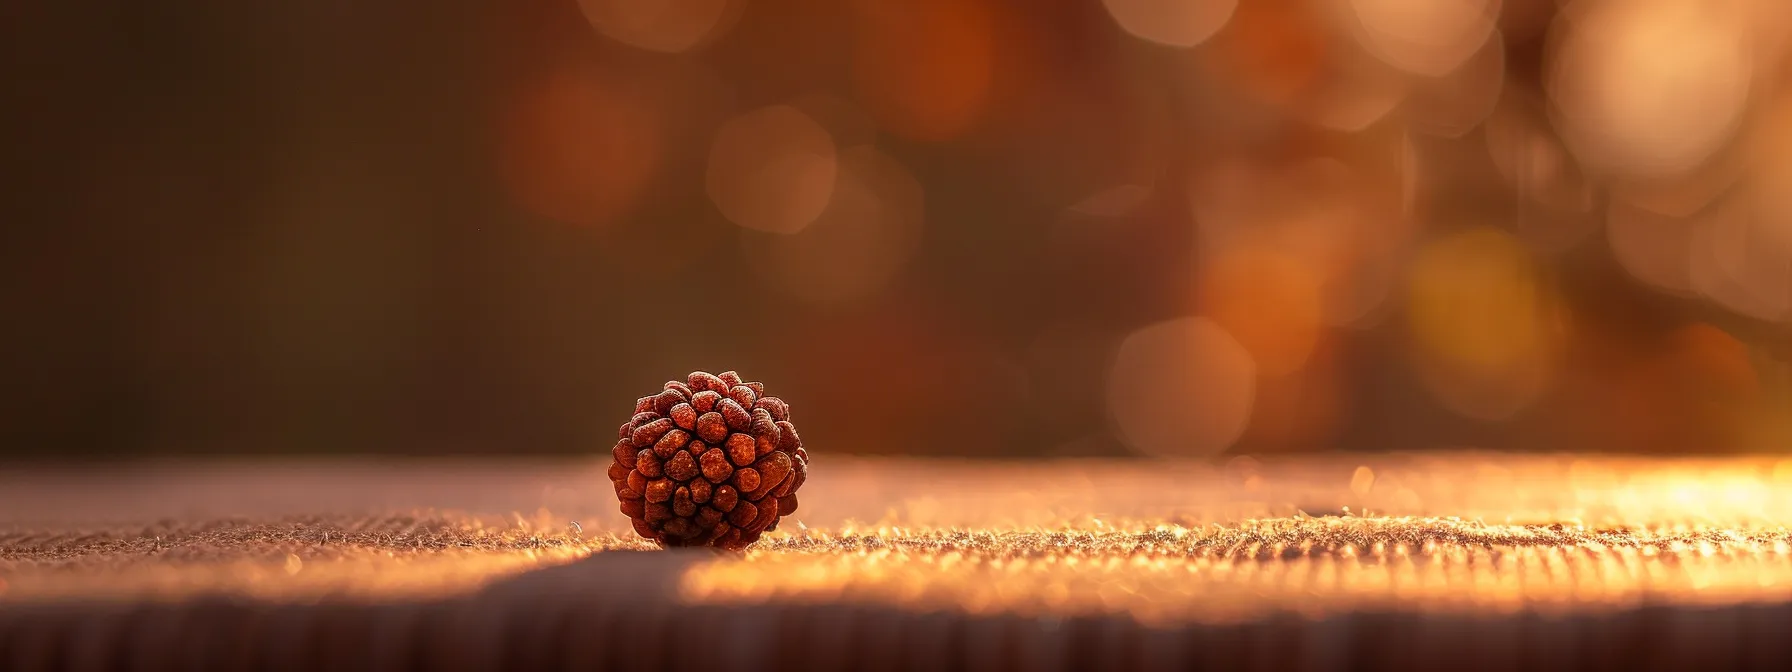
<point>681,467</point>
<point>684,416</point>
<point>670,442</point>
<point>704,380</point>
<point>772,469</point>
<point>787,438</point>
<point>775,406</point>
<point>745,480</point>
<point>737,417</point>
<point>762,422</point>
<point>740,449</point>
<point>682,504</point>
<point>726,497</point>
<point>715,531</point>
<point>657,513</point>
<point>648,433</point>
<point>711,460</point>
<point>648,463</point>
<point>743,395</point>
<point>716,467</point>
<point>799,462</point>
<point>681,528</point>
<point>768,514</point>
<point>708,517</point>
<point>765,430</point>
<point>624,452</point>
<point>660,489</point>
<point>743,515</point>
<point>706,400</point>
<point>789,485</point>
<point>663,403</point>
<point>711,427</point>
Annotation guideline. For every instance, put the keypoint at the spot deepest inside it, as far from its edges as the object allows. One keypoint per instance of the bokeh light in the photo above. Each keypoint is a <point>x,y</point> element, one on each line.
<point>1483,322</point>
<point>1713,390</point>
<point>1423,224</point>
<point>870,227</point>
<point>1181,388</point>
<point>1266,298</point>
<point>1324,216</point>
<point>669,26</point>
<point>1426,38</point>
<point>1714,365</point>
<point>924,68</point>
<point>1358,92</point>
<point>772,169</point>
<point>1736,261</point>
<point>1645,89</point>
<point>1457,101</point>
<point>1770,180</point>
<point>1693,385</point>
<point>579,145</point>
<point>1686,194</point>
<point>1271,52</point>
<point>1175,23</point>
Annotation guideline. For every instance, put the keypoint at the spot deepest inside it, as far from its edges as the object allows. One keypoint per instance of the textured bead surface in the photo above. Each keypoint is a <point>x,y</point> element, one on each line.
<point>710,460</point>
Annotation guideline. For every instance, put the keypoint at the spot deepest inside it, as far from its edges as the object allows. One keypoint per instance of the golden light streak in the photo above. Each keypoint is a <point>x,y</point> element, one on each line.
<point>1229,573</point>
<point>1160,541</point>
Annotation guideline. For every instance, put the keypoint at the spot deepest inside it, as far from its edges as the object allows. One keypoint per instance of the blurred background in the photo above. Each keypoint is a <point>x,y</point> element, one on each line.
<point>986,228</point>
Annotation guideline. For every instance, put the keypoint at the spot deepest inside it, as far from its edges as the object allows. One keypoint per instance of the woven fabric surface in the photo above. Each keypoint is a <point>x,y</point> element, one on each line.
<point>1495,562</point>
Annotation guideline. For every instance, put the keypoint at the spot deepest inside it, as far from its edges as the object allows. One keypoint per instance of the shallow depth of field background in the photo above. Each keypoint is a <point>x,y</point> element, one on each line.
<point>983,228</point>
